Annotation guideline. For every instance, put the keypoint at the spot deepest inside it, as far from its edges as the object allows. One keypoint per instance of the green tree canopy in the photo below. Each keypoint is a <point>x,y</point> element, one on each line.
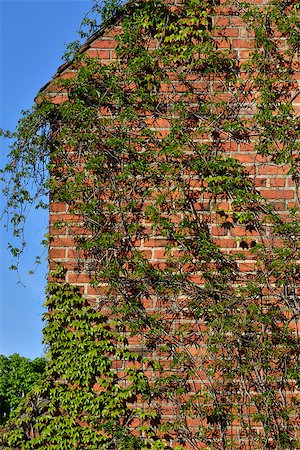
<point>18,375</point>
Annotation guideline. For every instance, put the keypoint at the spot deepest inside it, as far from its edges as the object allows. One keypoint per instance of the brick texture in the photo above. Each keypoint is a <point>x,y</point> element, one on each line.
<point>271,181</point>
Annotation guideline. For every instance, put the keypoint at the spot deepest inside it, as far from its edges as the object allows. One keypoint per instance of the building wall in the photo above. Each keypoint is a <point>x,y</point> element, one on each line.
<point>271,180</point>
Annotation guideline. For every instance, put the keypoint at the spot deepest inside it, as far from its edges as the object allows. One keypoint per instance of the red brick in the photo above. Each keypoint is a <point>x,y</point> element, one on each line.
<point>57,253</point>
<point>58,207</point>
<point>159,254</point>
<point>73,253</point>
<point>96,53</point>
<point>241,43</point>
<point>104,44</point>
<point>229,31</point>
<point>158,242</point>
<point>62,242</point>
<point>236,21</point>
<point>260,182</point>
<point>272,170</point>
<point>222,21</point>
<point>277,182</point>
<point>75,278</point>
<point>277,193</point>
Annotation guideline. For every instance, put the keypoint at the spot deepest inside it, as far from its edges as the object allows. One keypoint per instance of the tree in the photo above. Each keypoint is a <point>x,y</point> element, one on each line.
<point>18,375</point>
<point>217,357</point>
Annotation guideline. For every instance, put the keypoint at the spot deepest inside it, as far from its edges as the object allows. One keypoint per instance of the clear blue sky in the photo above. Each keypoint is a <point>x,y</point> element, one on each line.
<point>33,35</point>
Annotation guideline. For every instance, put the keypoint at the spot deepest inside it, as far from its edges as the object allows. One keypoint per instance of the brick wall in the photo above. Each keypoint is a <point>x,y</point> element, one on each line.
<point>271,180</point>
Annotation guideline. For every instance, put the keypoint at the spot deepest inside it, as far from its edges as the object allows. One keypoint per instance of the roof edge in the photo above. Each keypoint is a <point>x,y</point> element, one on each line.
<point>103,27</point>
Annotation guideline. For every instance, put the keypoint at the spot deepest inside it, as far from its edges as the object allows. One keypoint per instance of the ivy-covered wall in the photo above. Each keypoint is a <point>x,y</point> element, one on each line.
<point>173,146</point>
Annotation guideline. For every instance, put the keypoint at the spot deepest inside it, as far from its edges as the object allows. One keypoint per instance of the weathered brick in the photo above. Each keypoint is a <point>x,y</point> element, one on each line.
<point>269,179</point>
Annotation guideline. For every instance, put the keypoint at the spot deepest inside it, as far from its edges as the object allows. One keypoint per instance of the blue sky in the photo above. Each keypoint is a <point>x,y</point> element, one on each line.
<point>33,35</point>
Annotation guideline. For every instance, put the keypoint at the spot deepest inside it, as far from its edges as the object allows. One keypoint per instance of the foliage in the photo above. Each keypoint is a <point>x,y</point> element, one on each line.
<point>18,375</point>
<point>82,396</point>
<point>140,153</point>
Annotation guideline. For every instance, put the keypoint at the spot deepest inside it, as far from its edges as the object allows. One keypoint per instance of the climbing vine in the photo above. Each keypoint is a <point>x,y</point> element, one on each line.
<point>197,347</point>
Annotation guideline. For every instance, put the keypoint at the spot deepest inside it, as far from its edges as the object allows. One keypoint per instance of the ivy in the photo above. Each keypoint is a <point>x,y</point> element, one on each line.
<point>182,350</point>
